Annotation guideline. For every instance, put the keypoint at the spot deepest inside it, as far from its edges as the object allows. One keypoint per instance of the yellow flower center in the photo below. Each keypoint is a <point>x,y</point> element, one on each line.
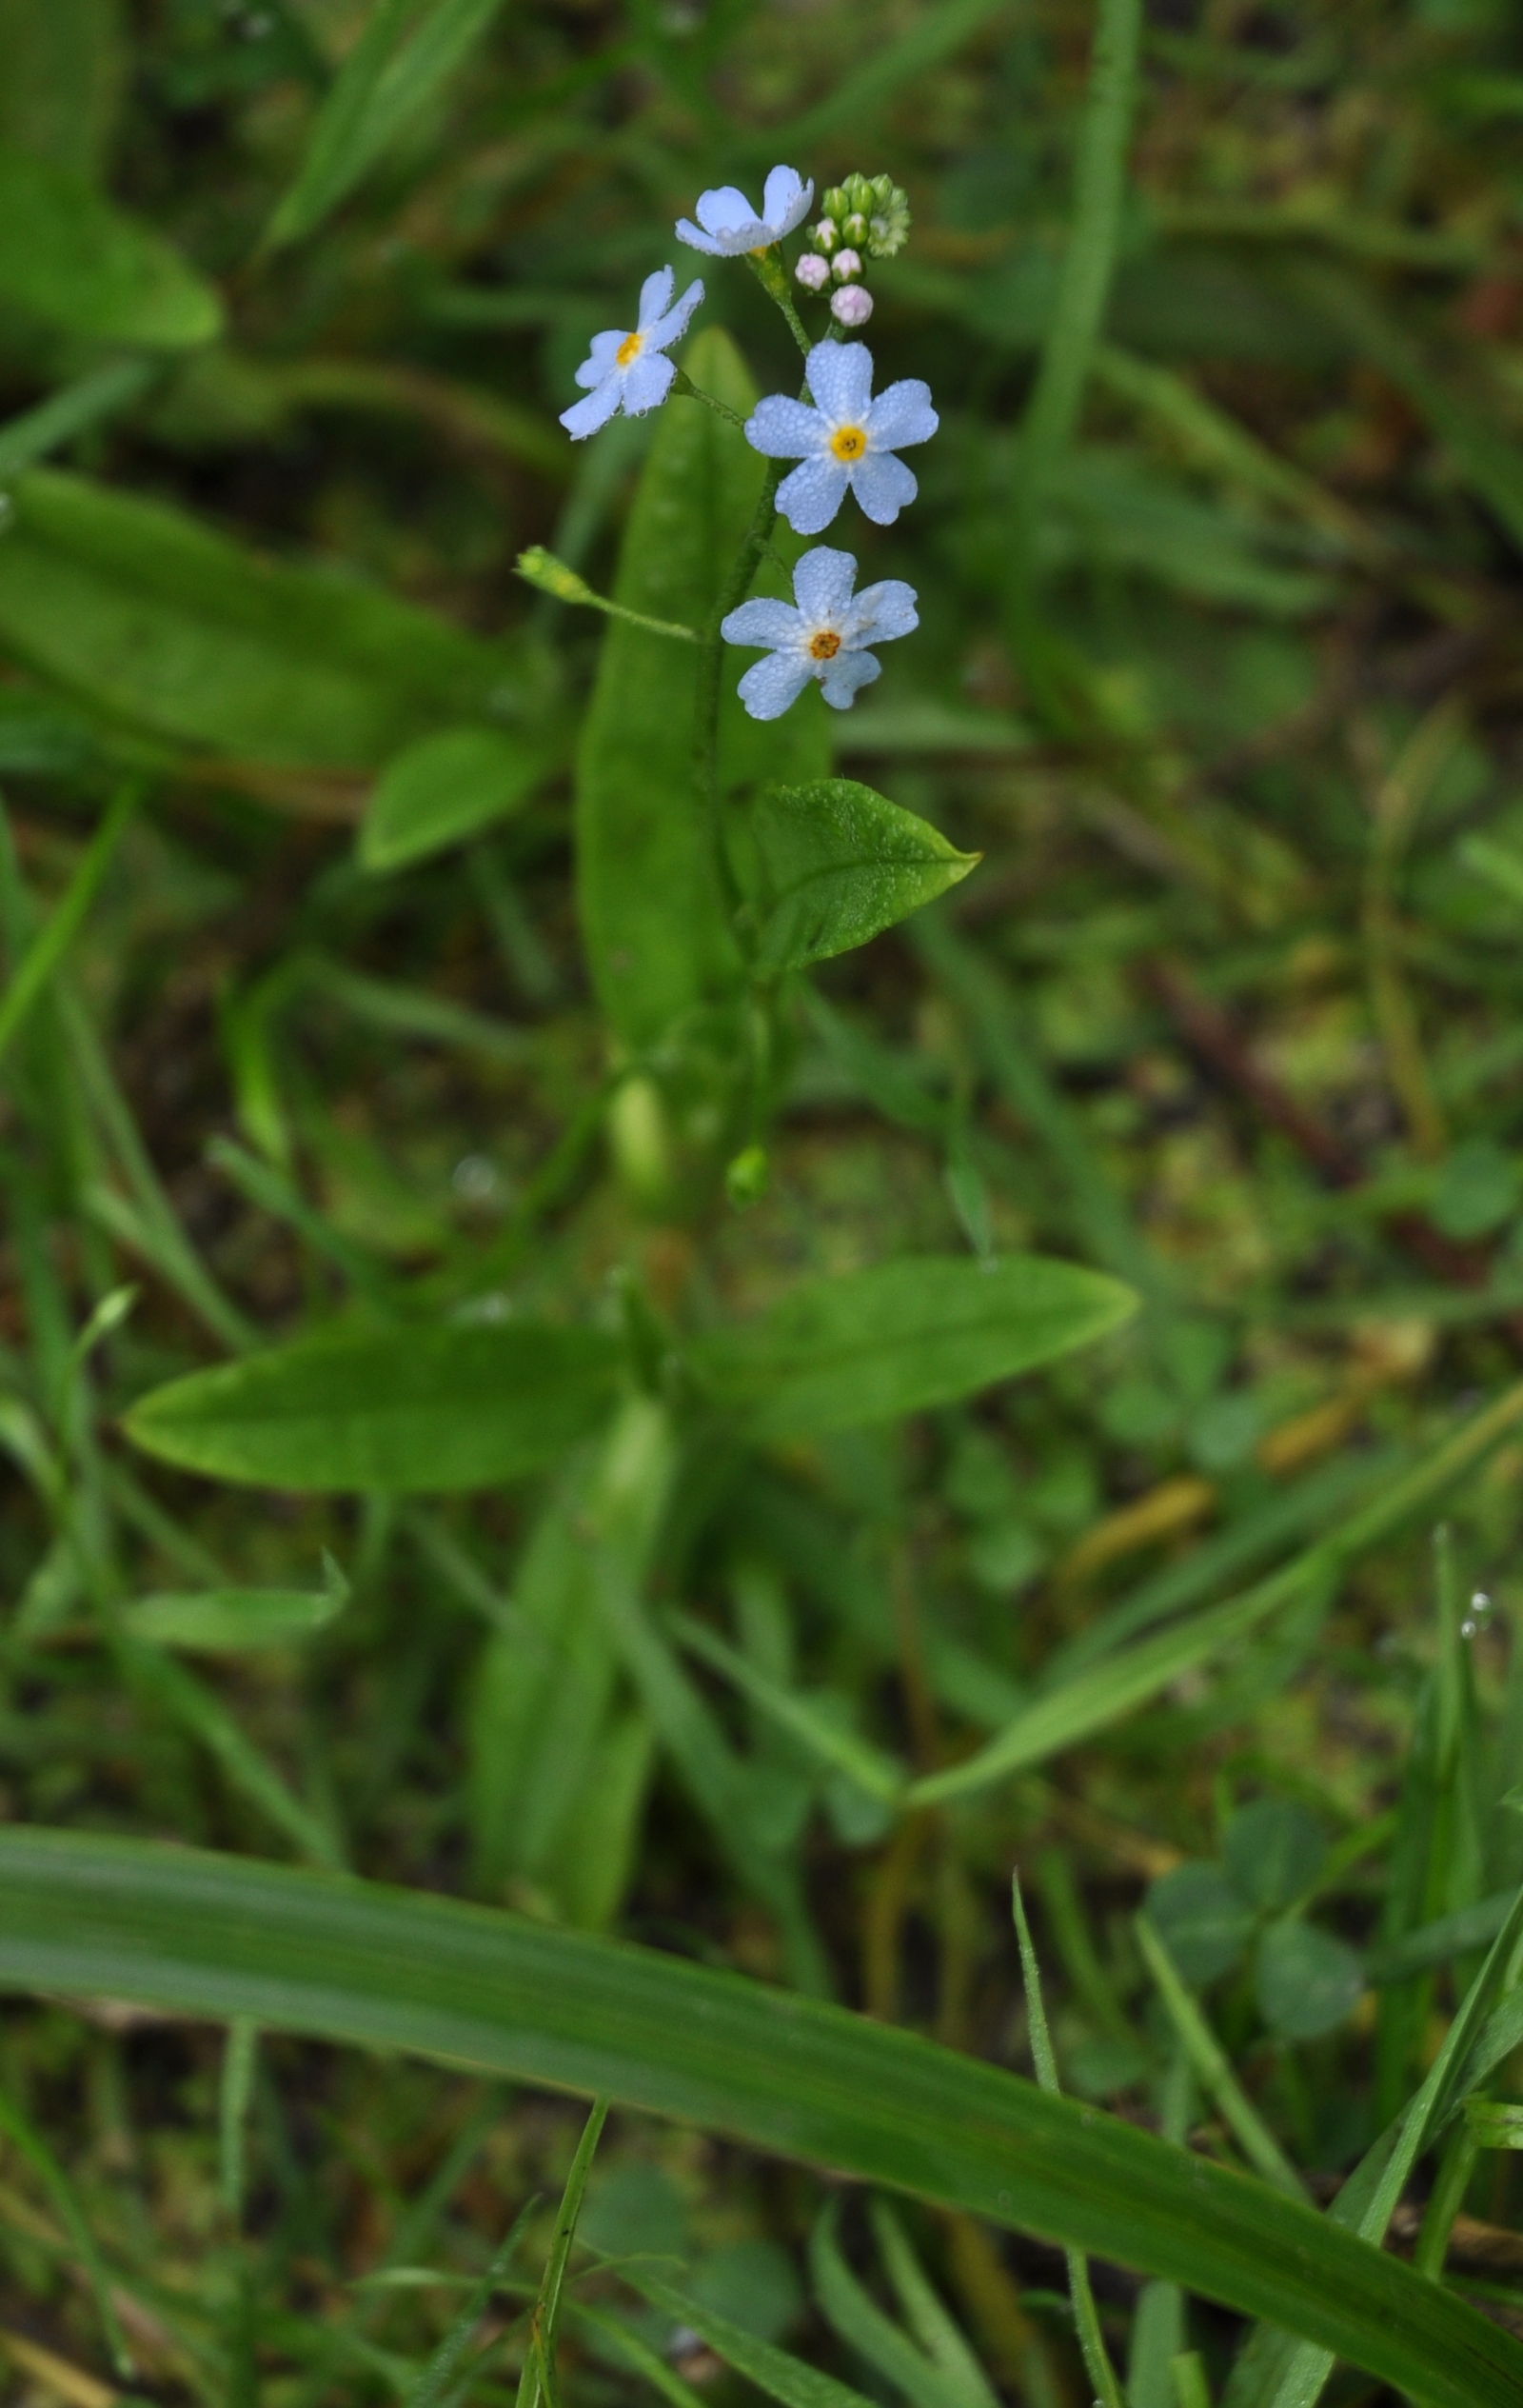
<point>629,350</point>
<point>824,645</point>
<point>848,442</point>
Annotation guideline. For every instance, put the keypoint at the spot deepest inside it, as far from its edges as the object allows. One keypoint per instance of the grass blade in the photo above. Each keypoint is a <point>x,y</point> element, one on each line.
<point>58,931</point>
<point>538,2381</point>
<point>353,1961</point>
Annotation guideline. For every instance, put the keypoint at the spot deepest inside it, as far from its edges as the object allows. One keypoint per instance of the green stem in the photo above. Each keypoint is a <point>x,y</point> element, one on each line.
<point>1052,413</point>
<point>683,382</point>
<point>1445,2202</point>
<point>539,567</point>
<point>769,272</point>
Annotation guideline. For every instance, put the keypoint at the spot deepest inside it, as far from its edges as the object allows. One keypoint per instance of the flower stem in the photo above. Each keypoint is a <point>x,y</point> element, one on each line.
<point>767,268</point>
<point>683,382</point>
<point>539,567</point>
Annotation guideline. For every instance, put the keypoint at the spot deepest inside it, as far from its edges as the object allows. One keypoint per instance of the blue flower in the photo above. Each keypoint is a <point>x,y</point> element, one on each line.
<point>627,370</point>
<point>846,439</point>
<point>825,638</point>
<point>728,227</point>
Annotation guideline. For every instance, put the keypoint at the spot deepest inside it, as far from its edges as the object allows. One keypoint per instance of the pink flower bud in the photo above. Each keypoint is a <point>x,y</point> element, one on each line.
<point>852,305</point>
<point>813,271</point>
<point>824,236</point>
<point>845,265</point>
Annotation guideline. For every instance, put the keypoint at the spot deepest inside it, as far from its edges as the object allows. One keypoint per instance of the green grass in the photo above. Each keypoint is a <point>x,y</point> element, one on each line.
<point>639,1353</point>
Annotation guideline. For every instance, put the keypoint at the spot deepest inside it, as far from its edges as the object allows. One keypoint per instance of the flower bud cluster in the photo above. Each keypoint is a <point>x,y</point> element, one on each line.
<point>865,214</point>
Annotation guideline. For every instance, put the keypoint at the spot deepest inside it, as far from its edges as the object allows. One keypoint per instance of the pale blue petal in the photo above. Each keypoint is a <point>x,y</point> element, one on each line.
<point>846,675</point>
<point>883,486</point>
<point>655,296</point>
<point>840,379</point>
<point>770,685</point>
<point>902,414</point>
<point>687,232</point>
<point>785,201</point>
<point>648,382</point>
<point>882,612</point>
<point>823,584</point>
<point>810,497</point>
<point>583,418</point>
<point>600,358</point>
<point>727,216</point>
<point>784,430</point>
<point>666,330</point>
<point>764,622</point>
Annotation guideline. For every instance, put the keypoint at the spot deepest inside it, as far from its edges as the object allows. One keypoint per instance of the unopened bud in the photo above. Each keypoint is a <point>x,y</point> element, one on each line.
<point>834,203</point>
<point>852,306</point>
<point>845,265</point>
<point>539,567</point>
<point>813,271</point>
<point>854,227</point>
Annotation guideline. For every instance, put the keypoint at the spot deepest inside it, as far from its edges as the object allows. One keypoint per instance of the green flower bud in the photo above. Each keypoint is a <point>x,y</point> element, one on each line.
<point>824,236</point>
<point>888,228</point>
<point>834,203</point>
<point>747,1177</point>
<point>855,228</point>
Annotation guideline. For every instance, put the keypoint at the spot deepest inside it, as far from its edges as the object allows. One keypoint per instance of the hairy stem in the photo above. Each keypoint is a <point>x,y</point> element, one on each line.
<point>710,666</point>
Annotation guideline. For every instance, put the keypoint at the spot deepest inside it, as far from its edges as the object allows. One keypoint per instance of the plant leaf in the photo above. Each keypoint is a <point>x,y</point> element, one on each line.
<point>397,1410</point>
<point>446,786</point>
<point>838,864</point>
<point>70,258</point>
<point>171,628</point>
<point>900,1337</point>
<point>351,1961</point>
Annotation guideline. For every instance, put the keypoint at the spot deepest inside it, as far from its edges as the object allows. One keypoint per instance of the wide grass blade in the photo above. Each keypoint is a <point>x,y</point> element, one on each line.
<point>350,1962</point>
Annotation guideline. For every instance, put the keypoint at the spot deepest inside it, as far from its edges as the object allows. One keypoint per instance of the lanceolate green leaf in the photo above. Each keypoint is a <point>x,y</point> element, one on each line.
<point>70,259</point>
<point>447,786</point>
<point>403,1409</point>
<point>348,1961</point>
<point>900,1337</point>
<point>161,622</point>
<point>838,864</point>
<point>651,916</point>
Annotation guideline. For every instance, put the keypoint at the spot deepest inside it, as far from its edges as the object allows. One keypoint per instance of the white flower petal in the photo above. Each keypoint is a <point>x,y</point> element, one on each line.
<point>881,613</point>
<point>648,382</point>
<point>844,677</point>
<point>668,330</point>
<point>687,232</point>
<point>600,358</point>
<point>840,379</point>
<point>762,621</point>
<point>812,495</point>
<point>883,485</point>
<point>902,414</point>
<point>655,296</point>
<point>728,215</point>
<point>821,586</point>
<point>768,686</point>
<point>785,429</point>
<point>785,201</point>
<point>583,418</point>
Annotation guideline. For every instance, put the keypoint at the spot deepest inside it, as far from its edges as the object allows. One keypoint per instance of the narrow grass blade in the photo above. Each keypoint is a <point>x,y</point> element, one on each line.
<point>937,2334</point>
<point>538,2381</point>
<point>350,1962</point>
<point>190,1703</point>
<point>862,2324</point>
<point>868,1766</point>
<point>1212,2068</point>
<point>239,2057</point>
<point>774,2371</point>
<point>35,433</point>
<point>434,2382</point>
<point>57,933</point>
<point>1090,2341</point>
<point>1101,1696</point>
<point>30,2144</point>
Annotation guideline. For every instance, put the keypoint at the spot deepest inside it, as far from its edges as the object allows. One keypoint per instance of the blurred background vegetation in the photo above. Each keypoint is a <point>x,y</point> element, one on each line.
<point>1233,1008</point>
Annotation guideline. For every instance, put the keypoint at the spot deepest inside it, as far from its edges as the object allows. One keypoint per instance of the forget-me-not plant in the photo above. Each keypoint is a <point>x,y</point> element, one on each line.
<point>823,638</point>
<point>844,439</point>
<point>625,368</point>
